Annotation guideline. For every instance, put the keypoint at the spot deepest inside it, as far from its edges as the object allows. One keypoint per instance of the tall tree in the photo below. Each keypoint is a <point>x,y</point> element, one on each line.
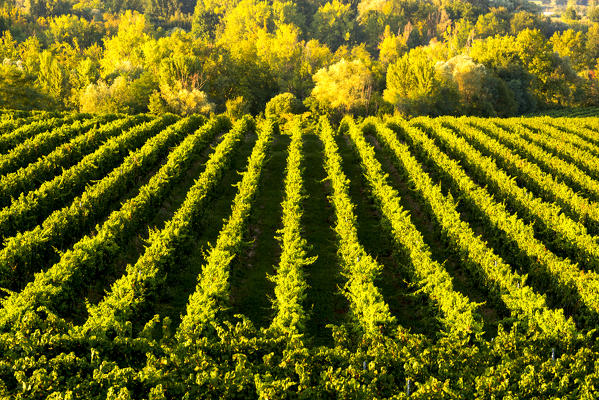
<point>344,86</point>
<point>334,24</point>
<point>51,77</point>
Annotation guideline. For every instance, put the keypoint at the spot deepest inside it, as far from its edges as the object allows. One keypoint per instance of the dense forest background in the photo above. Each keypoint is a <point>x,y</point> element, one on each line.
<point>475,57</point>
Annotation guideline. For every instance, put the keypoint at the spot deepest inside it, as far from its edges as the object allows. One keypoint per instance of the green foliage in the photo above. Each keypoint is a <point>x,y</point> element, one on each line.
<point>530,67</point>
<point>237,107</point>
<point>65,155</point>
<point>204,20</point>
<point>282,107</point>
<point>414,86</point>
<point>51,76</point>
<point>8,46</point>
<point>71,29</point>
<point>367,305</point>
<point>563,272</point>
<point>208,305</point>
<point>506,175</point>
<point>281,52</point>
<point>520,299</point>
<point>290,284</point>
<point>129,96</point>
<point>181,101</point>
<point>334,24</point>
<point>161,8</point>
<point>391,47</point>
<point>19,89</point>
<point>592,42</point>
<point>41,142</point>
<point>571,44</point>
<point>53,286</point>
<point>570,14</point>
<point>493,23</point>
<point>569,233</point>
<point>124,51</point>
<point>344,86</point>
<point>130,291</point>
<point>480,92</point>
<point>523,20</point>
<point>459,314</point>
<point>257,49</point>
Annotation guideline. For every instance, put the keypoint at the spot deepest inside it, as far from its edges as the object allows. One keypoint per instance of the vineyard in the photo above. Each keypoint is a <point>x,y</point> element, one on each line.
<point>165,257</point>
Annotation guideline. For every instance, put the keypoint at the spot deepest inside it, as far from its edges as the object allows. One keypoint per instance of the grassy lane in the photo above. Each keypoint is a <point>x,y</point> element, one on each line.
<point>324,303</point>
<point>136,245</point>
<point>491,311</point>
<point>181,281</point>
<point>251,290</point>
<point>551,224</point>
<point>516,139</point>
<point>497,239</point>
<point>53,254</point>
<point>413,311</point>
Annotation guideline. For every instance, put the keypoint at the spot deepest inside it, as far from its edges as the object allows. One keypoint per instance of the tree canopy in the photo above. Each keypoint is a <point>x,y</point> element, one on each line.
<point>500,57</point>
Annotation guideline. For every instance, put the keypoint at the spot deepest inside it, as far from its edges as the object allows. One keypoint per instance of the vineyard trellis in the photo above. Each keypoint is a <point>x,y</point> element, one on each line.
<point>83,277</point>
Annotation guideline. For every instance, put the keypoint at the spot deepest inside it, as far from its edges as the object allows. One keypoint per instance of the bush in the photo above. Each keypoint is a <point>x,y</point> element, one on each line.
<point>182,102</point>
<point>122,96</point>
<point>282,106</point>
<point>416,87</point>
<point>237,107</point>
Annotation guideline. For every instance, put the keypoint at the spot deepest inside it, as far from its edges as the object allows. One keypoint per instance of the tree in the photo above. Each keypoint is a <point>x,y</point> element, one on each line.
<point>344,86</point>
<point>181,72</point>
<point>593,13</point>
<point>501,56</point>
<point>592,44</point>
<point>287,12</point>
<point>282,52</point>
<point>530,60</point>
<point>161,8</point>
<point>334,24</point>
<point>241,25</point>
<point>570,14</point>
<point>113,6</point>
<point>43,8</point>
<point>71,29</point>
<point>29,52</point>
<point>51,76</point>
<point>459,35</point>
<point>391,47</point>
<point>493,23</point>
<point>87,72</point>
<point>204,21</point>
<point>8,46</point>
<point>122,96</point>
<point>414,86</point>
<point>124,51</point>
<point>523,20</point>
<point>571,44</point>
<point>18,89</point>
<point>237,107</point>
<point>282,107</point>
<point>481,93</point>
<point>182,101</point>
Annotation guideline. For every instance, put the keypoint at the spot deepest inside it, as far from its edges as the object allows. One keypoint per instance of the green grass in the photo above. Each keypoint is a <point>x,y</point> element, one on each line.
<point>251,290</point>
<point>463,281</point>
<point>412,310</point>
<point>181,281</point>
<point>324,302</point>
<point>137,243</point>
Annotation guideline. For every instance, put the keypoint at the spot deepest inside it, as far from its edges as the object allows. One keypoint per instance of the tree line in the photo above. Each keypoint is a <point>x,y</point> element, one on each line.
<point>432,57</point>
